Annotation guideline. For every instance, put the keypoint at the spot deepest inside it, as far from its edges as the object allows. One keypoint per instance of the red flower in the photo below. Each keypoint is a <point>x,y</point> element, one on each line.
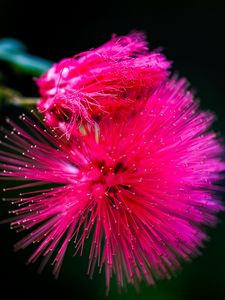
<point>143,186</point>
<point>102,82</point>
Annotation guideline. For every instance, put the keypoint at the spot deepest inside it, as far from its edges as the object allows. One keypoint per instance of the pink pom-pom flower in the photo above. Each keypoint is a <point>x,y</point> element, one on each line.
<point>102,82</point>
<point>142,187</point>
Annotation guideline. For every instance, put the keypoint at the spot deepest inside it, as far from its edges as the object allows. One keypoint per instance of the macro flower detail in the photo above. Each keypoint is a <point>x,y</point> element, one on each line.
<point>141,188</point>
<point>101,82</point>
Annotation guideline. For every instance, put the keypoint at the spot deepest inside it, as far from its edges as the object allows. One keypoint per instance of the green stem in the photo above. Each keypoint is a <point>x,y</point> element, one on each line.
<point>10,96</point>
<point>14,52</point>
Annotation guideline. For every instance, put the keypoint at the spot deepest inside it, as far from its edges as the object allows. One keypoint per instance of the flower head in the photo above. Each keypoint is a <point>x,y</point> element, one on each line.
<point>142,187</point>
<point>101,82</point>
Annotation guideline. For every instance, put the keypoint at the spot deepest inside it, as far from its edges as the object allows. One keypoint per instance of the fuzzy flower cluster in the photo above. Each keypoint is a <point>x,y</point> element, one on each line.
<point>133,164</point>
<point>113,79</point>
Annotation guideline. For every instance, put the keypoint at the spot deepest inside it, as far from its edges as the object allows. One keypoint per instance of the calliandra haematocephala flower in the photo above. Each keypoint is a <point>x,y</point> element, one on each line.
<point>110,80</point>
<point>142,188</point>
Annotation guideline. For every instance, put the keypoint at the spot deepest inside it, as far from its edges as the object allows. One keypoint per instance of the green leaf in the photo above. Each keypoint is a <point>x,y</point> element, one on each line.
<point>14,52</point>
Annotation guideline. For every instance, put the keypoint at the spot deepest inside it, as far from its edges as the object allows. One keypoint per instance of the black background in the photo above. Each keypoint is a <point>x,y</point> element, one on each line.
<point>192,35</point>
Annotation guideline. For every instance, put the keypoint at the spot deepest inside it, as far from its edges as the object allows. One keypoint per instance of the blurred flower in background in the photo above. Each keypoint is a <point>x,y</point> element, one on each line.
<point>112,80</point>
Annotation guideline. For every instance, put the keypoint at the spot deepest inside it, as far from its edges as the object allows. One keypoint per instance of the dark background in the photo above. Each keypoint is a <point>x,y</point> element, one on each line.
<point>192,35</point>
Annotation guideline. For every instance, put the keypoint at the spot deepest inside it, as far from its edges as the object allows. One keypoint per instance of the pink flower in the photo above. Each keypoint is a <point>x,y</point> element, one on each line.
<point>143,187</point>
<point>101,82</point>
